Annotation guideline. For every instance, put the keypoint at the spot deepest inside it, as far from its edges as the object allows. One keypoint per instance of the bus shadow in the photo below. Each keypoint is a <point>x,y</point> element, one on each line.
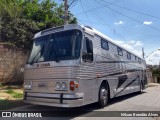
<point>124,97</point>
<point>84,111</point>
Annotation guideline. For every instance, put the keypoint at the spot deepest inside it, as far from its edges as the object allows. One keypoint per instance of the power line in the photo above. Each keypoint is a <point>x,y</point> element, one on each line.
<point>82,22</point>
<point>113,3</point>
<point>116,1</point>
<point>115,30</point>
<point>90,10</point>
<point>131,9</point>
<point>128,16</point>
<point>72,4</point>
<point>99,24</point>
<point>84,11</point>
<point>99,18</point>
<point>91,22</point>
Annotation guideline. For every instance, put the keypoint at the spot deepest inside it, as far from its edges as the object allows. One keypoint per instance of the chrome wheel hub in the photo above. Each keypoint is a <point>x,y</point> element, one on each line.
<point>103,96</point>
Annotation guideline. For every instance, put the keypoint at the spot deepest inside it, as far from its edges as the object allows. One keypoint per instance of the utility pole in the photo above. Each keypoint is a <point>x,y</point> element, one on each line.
<point>143,52</point>
<point>65,12</point>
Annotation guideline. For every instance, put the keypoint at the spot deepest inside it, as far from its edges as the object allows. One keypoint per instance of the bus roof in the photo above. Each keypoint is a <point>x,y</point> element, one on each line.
<point>96,32</point>
<point>87,29</point>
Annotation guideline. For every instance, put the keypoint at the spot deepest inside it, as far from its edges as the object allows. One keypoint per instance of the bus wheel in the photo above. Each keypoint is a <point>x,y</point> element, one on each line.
<point>103,96</point>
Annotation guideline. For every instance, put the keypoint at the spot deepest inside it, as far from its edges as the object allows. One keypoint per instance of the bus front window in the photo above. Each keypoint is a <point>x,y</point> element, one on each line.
<point>58,46</point>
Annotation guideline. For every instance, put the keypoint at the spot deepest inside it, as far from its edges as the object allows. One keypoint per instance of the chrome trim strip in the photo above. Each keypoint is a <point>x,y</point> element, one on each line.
<point>28,99</point>
<point>67,103</point>
<point>77,95</point>
<point>56,96</point>
<point>48,95</point>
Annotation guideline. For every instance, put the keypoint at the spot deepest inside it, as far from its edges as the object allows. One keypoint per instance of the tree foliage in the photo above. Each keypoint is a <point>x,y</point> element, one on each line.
<point>21,19</point>
<point>156,72</point>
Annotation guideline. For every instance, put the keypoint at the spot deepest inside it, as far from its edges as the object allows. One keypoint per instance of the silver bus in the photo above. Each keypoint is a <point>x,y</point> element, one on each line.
<point>73,65</point>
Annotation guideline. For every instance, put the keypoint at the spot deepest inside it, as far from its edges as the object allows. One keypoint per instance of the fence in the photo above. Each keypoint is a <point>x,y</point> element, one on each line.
<point>12,61</point>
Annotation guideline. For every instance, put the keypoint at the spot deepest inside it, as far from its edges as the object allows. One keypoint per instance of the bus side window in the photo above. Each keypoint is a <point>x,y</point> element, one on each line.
<point>87,54</point>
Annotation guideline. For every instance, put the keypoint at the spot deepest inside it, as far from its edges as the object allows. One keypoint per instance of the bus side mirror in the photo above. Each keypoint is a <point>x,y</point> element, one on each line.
<point>87,54</point>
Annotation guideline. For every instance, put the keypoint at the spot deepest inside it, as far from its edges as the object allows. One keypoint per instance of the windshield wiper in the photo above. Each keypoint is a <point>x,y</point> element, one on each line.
<point>40,51</point>
<point>34,57</point>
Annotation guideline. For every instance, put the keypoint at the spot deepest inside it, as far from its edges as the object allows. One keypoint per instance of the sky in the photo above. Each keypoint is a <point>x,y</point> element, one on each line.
<point>134,24</point>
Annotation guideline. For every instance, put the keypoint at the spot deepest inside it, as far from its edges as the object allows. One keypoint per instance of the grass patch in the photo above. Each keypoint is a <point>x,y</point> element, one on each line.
<point>17,95</point>
<point>10,91</point>
<point>14,94</point>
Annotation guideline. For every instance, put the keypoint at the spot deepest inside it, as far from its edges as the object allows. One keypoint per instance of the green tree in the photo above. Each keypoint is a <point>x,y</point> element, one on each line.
<point>21,19</point>
<point>15,29</point>
<point>156,72</point>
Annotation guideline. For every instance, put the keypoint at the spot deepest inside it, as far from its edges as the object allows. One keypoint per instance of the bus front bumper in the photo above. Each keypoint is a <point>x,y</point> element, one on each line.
<point>56,99</point>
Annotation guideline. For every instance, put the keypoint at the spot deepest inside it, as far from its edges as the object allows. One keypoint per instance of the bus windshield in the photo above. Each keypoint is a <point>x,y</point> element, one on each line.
<point>56,46</point>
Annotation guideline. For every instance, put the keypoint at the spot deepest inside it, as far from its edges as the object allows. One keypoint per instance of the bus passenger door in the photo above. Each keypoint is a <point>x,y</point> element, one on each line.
<point>87,70</point>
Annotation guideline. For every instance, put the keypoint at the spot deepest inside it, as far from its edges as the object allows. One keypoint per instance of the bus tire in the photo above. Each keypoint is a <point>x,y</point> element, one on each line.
<point>103,96</point>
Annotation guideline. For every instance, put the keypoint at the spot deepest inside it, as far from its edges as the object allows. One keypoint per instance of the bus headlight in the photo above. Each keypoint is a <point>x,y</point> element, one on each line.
<point>58,86</point>
<point>28,85</point>
<point>61,86</point>
<point>64,85</point>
